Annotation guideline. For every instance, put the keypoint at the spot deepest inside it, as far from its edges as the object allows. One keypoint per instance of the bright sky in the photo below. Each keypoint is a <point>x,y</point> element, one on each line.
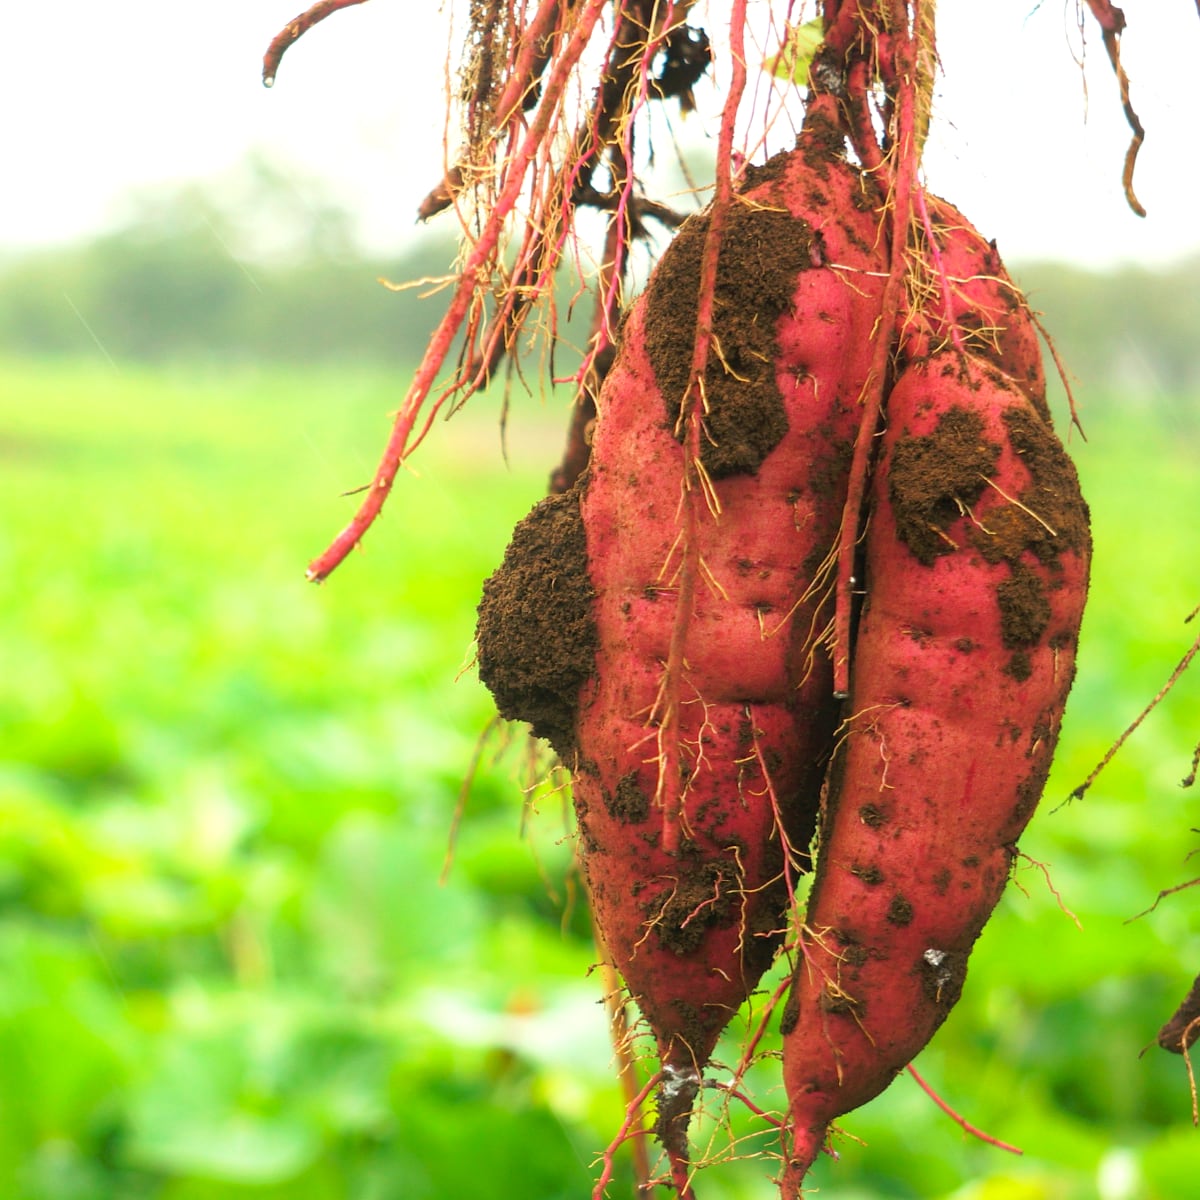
<point>101,98</point>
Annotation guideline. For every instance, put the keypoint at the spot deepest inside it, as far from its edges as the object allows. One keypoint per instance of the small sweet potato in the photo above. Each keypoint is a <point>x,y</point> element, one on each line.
<point>976,565</point>
<point>692,929</point>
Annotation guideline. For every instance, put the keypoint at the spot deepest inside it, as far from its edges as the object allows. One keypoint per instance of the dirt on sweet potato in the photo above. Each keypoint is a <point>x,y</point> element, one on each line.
<point>536,633</point>
<point>762,252</point>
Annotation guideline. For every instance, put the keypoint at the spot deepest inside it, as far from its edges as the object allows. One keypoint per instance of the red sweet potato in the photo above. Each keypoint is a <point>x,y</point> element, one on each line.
<point>691,929</point>
<point>975,574</point>
<point>692,907</point>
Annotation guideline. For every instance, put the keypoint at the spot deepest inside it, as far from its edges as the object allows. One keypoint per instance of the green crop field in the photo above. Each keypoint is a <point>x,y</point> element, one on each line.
<point>228,964</point>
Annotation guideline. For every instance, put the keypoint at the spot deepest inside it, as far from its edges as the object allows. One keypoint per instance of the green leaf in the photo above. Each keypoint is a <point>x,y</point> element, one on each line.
<point>798,51</point>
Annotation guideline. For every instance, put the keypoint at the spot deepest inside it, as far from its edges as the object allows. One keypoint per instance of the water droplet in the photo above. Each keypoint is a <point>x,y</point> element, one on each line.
<point>268,81</point>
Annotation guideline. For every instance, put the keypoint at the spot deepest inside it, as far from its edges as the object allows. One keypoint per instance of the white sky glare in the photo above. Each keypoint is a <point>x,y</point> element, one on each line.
<point>104,99</point>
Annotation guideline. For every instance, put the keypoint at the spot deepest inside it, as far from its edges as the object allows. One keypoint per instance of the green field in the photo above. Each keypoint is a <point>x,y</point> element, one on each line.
<point>227,965</point>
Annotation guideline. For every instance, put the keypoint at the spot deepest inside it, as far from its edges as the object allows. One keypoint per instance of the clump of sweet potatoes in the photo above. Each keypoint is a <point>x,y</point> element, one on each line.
<point>973,570</point>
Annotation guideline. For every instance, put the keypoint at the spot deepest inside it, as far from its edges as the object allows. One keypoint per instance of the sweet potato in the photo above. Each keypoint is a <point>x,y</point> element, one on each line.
<point>975,574</point>
<point>576,626</point>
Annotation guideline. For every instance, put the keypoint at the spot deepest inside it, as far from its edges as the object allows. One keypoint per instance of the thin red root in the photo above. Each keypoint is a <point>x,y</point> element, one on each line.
<point>1112,24</point>
<point>400,443</point>
<point>967,1126</point>
<point>1184,662</point>
<point>632,1113</point>
<point>770,1118</point>
<point>295,29</point>
<point>752,1045</point>
<point>668,795</point>
<point>903,191</point>
<point>1041,866</point>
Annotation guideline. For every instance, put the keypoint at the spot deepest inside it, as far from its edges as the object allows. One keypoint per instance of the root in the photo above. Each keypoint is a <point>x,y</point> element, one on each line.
<point>1045,870</point>
<point>1060,367</point>
<point>1112,24</point>
<point>1187,1058</point>
<point>622,1038</point>
<point>295,29</point>
<point>792,857</point>
<point>1172,680</point>
<point>960,1120</point>
<point>464,793</point>
<point>628,1131</point>
<point>1190,778</point>
<point>899,169</point>
<point>1171,891</point>
<point>750,1050</point>
<point>939,271</point>
<point>669,793</point>
<point>531,160</point>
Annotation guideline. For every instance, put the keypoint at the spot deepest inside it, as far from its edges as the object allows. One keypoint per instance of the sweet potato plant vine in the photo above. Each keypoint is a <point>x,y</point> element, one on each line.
<point>805,593</point>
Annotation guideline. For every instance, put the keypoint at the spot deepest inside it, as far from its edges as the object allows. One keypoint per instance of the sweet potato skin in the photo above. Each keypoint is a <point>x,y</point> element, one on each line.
<point>976,568</point>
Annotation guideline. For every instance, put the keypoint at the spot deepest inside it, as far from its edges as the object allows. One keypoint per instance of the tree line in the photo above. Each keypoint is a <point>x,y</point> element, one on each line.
<point>184,280</point>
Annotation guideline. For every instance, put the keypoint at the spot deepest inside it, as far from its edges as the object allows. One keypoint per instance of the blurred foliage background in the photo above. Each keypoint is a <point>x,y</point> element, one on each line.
<point>230,966</point>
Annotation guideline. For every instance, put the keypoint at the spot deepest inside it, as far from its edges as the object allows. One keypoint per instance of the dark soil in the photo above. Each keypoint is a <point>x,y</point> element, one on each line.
<point>932,479</point>
<point>761,253</point>
<point>900,911</point>
<point>943,974</point>
<point>536,634</point>
<point>1062,521</point>
<point>1024,609</point>
<point>704,895</point>
<point>931,475</point>
<point>629,804</point>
